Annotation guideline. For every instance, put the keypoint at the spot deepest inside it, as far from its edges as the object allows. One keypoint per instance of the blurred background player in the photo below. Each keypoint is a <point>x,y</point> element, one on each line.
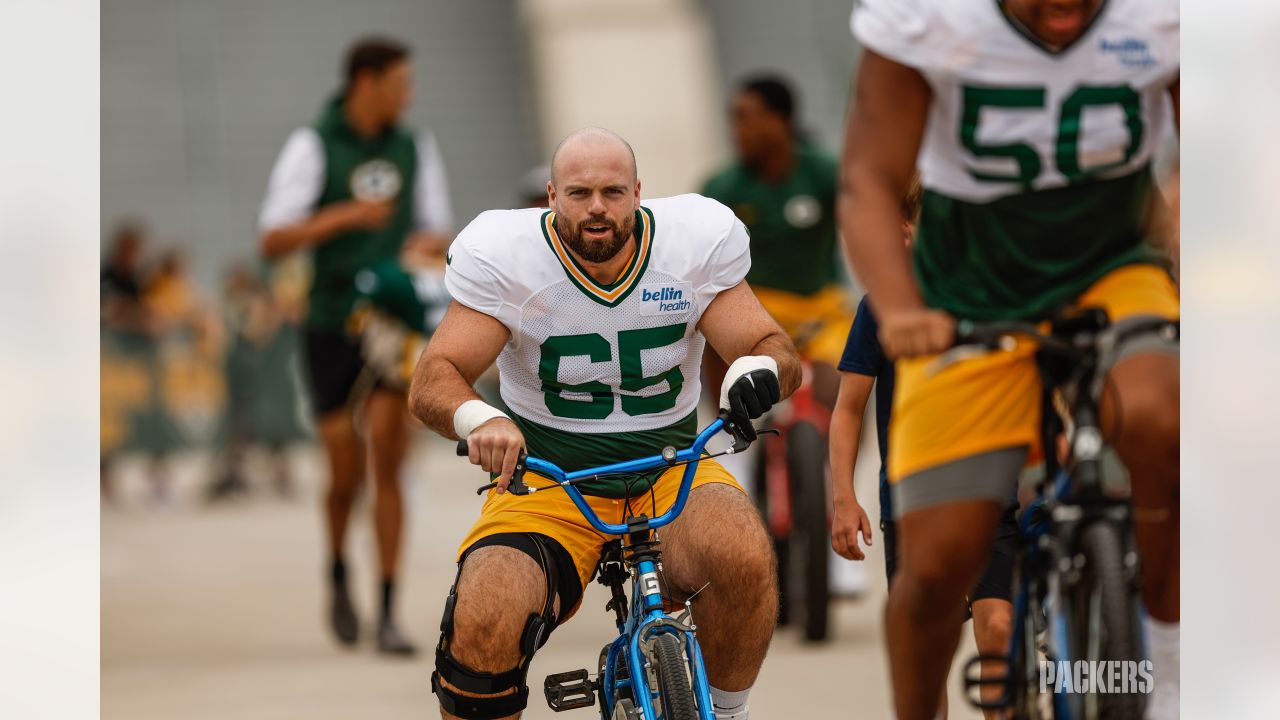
<point>263,313</point>
<point>351,189</point>
<point>783,188</point>
<point>128,329</point>
<point>533,187</point>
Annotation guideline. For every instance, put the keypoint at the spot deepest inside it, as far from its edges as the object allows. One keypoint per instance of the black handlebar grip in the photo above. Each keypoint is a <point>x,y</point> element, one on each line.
<point>463,450</point>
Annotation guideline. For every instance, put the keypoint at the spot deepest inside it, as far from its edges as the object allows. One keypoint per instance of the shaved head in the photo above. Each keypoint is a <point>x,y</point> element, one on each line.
<point>592,144</point>
<point>595,194</point>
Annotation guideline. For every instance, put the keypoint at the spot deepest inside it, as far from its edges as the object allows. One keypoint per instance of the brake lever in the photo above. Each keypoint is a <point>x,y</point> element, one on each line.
<point>517,485</point>
<point>740,444</point>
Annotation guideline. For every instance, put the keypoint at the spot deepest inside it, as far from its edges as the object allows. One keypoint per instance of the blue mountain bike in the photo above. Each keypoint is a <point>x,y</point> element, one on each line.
<point>1076,591</point>
<point>653,670</point>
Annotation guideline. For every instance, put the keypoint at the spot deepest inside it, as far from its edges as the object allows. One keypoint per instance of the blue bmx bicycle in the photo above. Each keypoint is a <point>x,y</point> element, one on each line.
<point>653,670</point>
<point>1076,591</point>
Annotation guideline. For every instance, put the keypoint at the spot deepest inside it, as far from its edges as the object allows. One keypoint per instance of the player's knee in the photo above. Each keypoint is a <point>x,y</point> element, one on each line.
<point>1149,417</point>
<point>486,636</point>
<point>497,592</point>
<point>739,557</point>
<point>750,568</point>
<point>992,627</point>
<point>929,578</point>
<point>940,570</point>
<point>343,491</point>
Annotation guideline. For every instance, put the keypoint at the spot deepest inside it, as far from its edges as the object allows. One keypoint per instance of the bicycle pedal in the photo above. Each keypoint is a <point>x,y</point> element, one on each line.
<point>569,690</point>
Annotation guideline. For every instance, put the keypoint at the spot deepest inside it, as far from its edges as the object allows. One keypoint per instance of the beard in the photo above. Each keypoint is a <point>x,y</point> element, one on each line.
<point>590,249</point>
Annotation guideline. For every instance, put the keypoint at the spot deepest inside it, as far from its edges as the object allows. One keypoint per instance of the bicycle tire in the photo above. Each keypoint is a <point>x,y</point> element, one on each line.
<point>605,711</point>
<point>675,692</point>
<point>806,463</point>
<point>781,546</point>
<point>1105,618</point>
<point>1028,703</point>
<point>624,709</point>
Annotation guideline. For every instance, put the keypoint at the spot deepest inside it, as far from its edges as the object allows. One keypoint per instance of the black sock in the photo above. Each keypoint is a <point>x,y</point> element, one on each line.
<point>388,592</point>
<point>339,572</point>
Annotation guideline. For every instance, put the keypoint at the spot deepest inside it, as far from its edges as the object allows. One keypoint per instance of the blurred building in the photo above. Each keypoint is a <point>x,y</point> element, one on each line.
<point>197,97</point>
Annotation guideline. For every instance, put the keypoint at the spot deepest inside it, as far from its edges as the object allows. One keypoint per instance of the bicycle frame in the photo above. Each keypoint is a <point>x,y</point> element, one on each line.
<point>647,612</point>
<point>1069,498</point>
<point>690,455</point>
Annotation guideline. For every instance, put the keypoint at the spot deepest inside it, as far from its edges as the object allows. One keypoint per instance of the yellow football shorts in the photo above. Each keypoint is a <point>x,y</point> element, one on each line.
<point>993,401</point>
<point>818,323</point>
<point>553,514</point>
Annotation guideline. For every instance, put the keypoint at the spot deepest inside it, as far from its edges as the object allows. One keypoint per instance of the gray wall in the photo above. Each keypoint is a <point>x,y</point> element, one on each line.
<point>807,41</point>
<point>198,98</point>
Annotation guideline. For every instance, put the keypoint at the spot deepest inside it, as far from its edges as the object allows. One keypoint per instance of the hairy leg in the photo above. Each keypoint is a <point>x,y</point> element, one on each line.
<point>498,590</point>
<point>720,539</point>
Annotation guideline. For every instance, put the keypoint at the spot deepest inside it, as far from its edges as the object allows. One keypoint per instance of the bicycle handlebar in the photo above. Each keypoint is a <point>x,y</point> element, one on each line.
<point>1073,337</point>
<point>669,457</point>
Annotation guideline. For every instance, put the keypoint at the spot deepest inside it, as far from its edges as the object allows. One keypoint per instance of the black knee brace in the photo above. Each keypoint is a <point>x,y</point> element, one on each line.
<point>536,631</point>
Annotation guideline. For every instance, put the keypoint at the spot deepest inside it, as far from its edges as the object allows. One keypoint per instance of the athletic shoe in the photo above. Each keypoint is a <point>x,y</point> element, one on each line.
<point>342,616</point>
<point>391,642</point>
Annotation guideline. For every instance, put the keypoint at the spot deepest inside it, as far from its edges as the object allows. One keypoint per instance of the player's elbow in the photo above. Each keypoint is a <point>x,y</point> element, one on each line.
<point>860,182</point>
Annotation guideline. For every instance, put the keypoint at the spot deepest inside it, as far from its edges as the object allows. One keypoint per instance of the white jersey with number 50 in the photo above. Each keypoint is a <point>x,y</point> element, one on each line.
<point>586,357</point>
<point>1009,115</point>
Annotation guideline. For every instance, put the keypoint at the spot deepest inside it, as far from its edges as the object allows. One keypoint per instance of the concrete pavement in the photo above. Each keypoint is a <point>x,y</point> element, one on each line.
<point>219,612</point>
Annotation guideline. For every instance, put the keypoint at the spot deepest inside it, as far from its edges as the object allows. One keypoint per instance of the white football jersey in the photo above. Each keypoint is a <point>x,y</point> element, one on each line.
<point>590,358</point>
<point>1009,115</point>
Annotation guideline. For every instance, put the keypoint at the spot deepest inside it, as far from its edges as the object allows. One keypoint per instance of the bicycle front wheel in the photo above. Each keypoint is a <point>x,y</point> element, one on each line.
<point>1103,607</point>
<point>675,690</point>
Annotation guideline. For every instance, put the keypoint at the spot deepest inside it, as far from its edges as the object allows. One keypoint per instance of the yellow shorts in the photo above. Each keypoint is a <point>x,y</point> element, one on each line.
<point>993,402</point>
<point>818,323</point>
<point>553,514</point>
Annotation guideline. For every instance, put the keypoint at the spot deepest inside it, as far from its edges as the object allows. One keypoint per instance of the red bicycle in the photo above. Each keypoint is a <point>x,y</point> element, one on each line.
<point>793,487</point>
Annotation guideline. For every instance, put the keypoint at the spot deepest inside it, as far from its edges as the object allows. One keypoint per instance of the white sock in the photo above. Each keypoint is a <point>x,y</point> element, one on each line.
<point>1165,650</point>
<point>730,705</point>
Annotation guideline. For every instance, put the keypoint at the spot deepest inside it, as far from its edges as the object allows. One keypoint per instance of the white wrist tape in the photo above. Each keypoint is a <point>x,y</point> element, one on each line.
<point>472,414</point>
<point>742,366</point>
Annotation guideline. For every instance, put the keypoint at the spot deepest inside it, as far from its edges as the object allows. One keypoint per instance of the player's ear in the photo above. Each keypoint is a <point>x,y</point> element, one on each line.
<point>551,193</point>
<point>637,193</point>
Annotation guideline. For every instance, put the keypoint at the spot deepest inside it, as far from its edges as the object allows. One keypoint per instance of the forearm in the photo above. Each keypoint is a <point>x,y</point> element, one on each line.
<point>843,440</point>
<point>779,347</point>
<point>437,390</point>
<point>315,230</point>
